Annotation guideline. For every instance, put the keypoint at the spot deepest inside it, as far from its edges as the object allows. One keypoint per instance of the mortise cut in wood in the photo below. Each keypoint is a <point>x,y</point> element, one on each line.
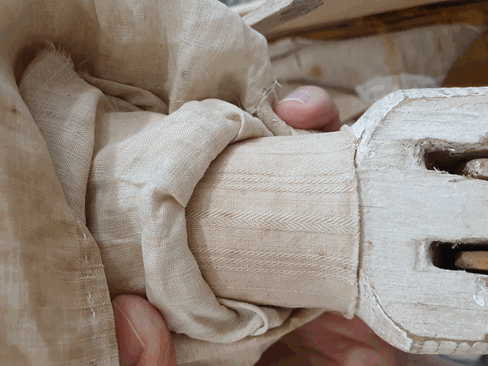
<point>473,261</point>
<point>412,147</point>
<point>451,157</point>
<point>460,256</point>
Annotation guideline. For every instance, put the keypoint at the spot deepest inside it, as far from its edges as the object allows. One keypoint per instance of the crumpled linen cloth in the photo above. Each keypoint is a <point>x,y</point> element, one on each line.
<point>116,176</point>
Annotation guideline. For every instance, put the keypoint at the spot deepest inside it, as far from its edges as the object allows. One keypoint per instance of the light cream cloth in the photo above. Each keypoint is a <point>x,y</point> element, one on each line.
<point>125,162</point>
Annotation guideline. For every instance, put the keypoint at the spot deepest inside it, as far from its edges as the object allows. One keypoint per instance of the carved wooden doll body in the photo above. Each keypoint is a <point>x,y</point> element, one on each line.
<point>417,211</point>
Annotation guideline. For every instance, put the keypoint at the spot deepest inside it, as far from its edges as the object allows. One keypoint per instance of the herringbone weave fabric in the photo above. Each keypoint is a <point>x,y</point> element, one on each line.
<point>121,171</point>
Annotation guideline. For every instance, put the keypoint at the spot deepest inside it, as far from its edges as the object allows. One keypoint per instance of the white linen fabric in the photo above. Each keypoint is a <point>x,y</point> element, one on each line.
<point>116,177</point>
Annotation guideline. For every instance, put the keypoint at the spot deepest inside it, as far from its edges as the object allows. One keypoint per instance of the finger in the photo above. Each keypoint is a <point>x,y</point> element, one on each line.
<point>347,352</point>
<point>305,346</point>
<point>309,108</point>
<point>354,329</point>
<point>367,357</point>
<point>349,342</point>
<point>366,348</point>
<point>350,353</point>
<point>142,336</point>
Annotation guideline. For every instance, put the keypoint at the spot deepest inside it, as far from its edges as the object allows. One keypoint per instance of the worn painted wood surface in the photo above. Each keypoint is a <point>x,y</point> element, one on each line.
<point>470,12</point>
<point>276,18</point>
<point>415,212</point>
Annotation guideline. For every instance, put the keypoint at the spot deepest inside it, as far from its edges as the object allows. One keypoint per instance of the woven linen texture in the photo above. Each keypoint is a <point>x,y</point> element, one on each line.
<point>115,152</point>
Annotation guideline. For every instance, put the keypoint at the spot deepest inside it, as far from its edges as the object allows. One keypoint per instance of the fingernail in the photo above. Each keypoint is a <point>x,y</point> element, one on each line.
<point>300,95</point>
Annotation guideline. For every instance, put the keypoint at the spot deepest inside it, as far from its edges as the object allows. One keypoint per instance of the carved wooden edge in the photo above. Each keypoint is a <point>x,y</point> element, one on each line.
<point>371,311</point>
<point>366,125</point>
<point>279,18</point>
<point>370,308</point>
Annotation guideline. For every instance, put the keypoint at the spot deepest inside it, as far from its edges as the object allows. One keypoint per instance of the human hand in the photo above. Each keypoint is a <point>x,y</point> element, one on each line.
<point>309,108</point>
<point>330,340</point>
<point>142,336</point>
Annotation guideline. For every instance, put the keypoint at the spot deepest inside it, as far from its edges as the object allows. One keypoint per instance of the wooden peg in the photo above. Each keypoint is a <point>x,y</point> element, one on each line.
<point>476,168</point>
<point>476,261</point>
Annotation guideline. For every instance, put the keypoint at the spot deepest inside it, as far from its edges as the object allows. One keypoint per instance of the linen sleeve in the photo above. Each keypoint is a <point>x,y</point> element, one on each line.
<point>117,178</point>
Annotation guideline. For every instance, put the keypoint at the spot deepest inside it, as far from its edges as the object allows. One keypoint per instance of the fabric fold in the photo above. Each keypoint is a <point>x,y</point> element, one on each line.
<point>140,151</point>
<point>275,221</point>
<point>140,184</point>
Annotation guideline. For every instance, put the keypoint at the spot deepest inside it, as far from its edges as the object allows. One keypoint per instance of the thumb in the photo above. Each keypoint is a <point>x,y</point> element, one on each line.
<point>142,336</point>
<point>309,108</point>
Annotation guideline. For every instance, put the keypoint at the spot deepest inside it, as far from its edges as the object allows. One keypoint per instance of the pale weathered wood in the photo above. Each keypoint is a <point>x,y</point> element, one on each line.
<point>276,17</point>
<point>471,13</point>
<point>404,297</point>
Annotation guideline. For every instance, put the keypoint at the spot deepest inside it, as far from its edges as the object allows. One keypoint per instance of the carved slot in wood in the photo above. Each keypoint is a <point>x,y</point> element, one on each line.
<point>455,159</point>
<point>447,256</point>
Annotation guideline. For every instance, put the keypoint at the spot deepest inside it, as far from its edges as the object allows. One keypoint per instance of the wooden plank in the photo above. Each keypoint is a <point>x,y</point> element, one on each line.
<point>344,21</point>
<point>405,207</point>
<point>458,12</point>
<point>336,11</point>
<point>279,18</point>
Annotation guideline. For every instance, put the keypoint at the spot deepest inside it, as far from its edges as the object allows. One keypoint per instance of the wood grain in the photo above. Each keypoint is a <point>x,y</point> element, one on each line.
<point>405,208</point>
<point>477,261</point>
<point>473,12</point>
